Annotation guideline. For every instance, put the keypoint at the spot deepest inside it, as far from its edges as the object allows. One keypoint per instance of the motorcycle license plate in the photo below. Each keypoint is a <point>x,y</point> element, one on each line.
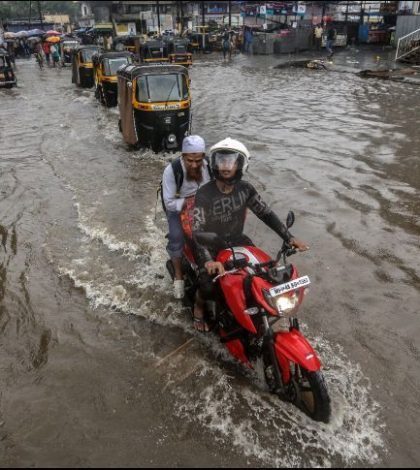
<point>289,286</point>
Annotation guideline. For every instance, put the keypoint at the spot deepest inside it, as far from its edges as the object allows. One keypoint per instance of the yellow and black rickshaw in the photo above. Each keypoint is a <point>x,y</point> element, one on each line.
<point>179,52</point>
<point>68,45</point>
<point>82,65</point>
<point>154,103</point>
<point>128,43</point>
<point>154,52</point>
<point>7,74</point>
<point>105,68</point>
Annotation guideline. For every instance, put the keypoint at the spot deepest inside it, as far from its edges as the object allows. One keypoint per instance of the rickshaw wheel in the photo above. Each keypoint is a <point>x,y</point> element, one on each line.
<point>102,96</point>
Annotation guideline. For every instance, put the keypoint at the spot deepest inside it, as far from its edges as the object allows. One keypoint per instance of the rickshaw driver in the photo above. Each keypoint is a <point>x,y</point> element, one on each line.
<point>220,207</point>
<point>195,173</point>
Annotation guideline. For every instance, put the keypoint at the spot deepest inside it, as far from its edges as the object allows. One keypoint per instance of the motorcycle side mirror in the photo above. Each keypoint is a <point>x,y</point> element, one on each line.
<point>290,219</point>
<point>209,239</point>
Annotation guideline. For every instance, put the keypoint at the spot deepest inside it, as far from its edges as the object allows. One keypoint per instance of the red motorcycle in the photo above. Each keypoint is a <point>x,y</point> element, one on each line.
<point>249,300</point>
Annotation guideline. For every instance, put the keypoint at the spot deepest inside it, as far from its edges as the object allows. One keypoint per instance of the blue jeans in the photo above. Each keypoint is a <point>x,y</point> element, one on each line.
<point>175,246</point>
<point>329,47</point>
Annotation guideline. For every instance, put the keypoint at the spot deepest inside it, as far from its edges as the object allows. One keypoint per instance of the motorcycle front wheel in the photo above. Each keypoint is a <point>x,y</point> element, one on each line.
<point>306,390</point>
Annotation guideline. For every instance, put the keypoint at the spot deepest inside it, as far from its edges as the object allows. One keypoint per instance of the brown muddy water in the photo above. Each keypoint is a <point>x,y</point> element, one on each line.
<point>86,311</point>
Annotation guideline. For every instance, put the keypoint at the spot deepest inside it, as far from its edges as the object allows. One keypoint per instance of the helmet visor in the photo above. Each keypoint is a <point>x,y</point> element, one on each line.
<point>226,160</point>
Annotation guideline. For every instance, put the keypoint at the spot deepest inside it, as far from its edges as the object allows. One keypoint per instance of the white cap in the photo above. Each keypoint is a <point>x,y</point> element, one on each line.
<point>193,144</point>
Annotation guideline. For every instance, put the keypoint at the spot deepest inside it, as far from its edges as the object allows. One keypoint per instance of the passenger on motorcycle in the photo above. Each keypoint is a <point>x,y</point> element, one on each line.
<point>180,182</point>
<point>220,207</point>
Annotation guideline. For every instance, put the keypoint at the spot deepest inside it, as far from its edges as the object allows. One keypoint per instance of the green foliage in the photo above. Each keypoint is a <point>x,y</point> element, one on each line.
<point>15,10</point>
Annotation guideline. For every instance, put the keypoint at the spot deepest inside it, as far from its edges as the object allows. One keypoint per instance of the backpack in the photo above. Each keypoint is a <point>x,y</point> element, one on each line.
<point>179,179</point>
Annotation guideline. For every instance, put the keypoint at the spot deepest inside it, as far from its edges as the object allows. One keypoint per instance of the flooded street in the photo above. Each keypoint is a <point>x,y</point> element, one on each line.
<point>86,312</point>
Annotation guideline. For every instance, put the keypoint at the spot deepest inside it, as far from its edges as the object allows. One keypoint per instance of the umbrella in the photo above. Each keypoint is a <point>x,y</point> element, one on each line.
<point>35,32</point>
<point>22,34</point>
<point>53,39</point>
<point>52,33</point>
<point>34,39</point>
<point>9,35</point>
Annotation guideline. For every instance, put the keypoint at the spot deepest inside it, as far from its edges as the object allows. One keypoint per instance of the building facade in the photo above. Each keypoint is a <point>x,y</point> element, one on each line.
<point>408,19</point>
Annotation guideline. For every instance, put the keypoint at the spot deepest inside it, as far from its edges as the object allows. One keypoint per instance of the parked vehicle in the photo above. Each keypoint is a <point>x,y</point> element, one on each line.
<point>105,66</point>
<point>179,52</point>
<point>7,74</point>
<point>82,65</point>
<point>128,43</point>
<point>154,51</point>
<point>254,294</point>
<point>68,46</point>
<point>154,103</point>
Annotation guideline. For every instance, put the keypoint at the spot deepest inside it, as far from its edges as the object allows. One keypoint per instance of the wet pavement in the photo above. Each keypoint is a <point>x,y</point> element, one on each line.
<point>86,313</point>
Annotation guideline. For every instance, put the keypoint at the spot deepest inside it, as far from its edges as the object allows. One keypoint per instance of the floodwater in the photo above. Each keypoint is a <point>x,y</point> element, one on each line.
<point>86,313</point>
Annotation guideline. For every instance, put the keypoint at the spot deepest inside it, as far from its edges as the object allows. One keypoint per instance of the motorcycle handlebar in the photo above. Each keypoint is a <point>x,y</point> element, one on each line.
<point>286,251</point>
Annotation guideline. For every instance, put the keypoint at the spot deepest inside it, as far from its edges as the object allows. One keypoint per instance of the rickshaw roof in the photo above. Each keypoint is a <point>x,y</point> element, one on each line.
<point>87,47</point>
<point>127,36</point>
<point>155,43</point>
<point>111,55</point>
<point>130,72</point>
<point>180,40</point>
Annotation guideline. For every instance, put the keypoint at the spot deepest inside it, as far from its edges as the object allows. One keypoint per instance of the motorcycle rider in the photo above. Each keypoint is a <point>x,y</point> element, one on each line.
<point>220,207</point>
<point>180,181</point>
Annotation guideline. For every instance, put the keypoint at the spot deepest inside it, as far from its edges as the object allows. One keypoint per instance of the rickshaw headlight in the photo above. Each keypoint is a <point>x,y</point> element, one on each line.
<point>171,138</point>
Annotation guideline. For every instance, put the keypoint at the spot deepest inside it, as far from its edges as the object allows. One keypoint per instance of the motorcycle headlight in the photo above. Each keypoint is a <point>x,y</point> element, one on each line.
<point>286,304</point>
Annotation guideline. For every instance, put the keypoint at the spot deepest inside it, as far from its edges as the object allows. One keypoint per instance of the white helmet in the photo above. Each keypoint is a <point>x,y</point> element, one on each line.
<point>233,150</point>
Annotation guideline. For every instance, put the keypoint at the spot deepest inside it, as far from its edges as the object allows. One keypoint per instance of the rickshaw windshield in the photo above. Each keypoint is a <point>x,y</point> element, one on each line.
<point>162,88</point>
<point>87,55</point>
<point>154,52</point>
<point>112,65</point>
<point>180,48</point>
<point>70,45</point>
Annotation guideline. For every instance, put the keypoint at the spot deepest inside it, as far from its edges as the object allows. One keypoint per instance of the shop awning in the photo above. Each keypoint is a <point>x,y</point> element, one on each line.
<point>104,28</point>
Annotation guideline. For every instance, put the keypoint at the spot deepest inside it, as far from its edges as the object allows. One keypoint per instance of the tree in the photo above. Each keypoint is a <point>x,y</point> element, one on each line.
<point>15,10</point>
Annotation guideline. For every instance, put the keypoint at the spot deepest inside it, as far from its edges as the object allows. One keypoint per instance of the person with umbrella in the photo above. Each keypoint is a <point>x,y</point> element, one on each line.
<point>47,51</point>
<point>55,52</point>
<point>39,54</point>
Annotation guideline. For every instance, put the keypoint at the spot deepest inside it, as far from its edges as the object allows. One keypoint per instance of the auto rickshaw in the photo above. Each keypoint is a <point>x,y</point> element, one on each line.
<point>154,103</point>
<point>179,52</point>
<point>128,44</point>
<point>68,45</point>
<point>82,65</point>
<point>7,75</point>
<point>154,51</point>
<point>105,68</point>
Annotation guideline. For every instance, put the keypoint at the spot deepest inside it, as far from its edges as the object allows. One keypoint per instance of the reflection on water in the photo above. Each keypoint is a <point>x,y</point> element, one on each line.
<point>85,305</point>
